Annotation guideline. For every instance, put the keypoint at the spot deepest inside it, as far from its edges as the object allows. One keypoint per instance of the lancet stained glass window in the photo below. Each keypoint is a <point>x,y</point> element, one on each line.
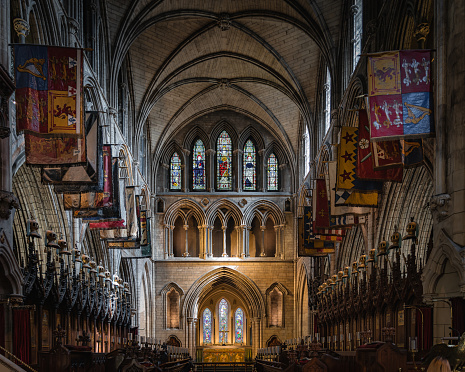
<point>207,326</point>
<point>239,323</point>
<point>198,166</point>
<point>223,321</point>
<point>272,173</point>
<point>249,169</point>
<point>223,162</point>
<point>175,172</point>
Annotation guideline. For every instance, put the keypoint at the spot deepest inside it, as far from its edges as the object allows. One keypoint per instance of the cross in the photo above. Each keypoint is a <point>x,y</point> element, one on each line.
<point>322,193</point>
<point>322,213</point>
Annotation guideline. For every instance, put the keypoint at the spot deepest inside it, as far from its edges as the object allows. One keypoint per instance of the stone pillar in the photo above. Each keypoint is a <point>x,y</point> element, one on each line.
<point>224,241</point>
<point>186,252</point>
<point>243,230</point>
<point>262,229</point>
<point>185,186</point>
<point>256,337</point>
<point>246,241</point>
<point>210,166</point>
<point>238,171</point>
<point>277,231</point>
<point>202,241</point>
<point>208,246</point>
<point>261,176</point>
<point>240,242</point>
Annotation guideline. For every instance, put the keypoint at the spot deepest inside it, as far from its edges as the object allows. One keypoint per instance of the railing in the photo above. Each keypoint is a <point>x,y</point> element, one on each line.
<point>18,360</point>
<point>221,366</point>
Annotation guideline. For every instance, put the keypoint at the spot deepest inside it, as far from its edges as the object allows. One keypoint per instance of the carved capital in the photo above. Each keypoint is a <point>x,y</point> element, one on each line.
<point>8,201</point>
<point>354,9</point>
<point>439,206</point>
<point>21,27</point>
<point>73,26</point>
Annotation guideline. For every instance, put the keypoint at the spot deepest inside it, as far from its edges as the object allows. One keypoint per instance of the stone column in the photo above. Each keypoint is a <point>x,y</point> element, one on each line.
<point>166,181</point>
<point>240,242</point>
<point>186,252</point>
<point>202,241</point>
<point>238,171</point>
<point>256,343</point>
<point>224,241</point>
<point>243,231</point>
<point>210,166</point>
<point>194,338</point>
<point>277,230</point>
<point>262,229</point>
<point>208,246</point>
<point>261,176</point>
<point>246,241</point>
<point>185,186</point>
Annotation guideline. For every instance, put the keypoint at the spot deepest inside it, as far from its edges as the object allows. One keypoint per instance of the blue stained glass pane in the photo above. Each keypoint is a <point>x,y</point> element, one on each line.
<point>175,172</point>
<point>239,322</point>
<point>223,162</point>
<point>249,179</point>
<point>198,166</point>
<point>207,326</point>
<point>223,307</point>
<point>272,173</point>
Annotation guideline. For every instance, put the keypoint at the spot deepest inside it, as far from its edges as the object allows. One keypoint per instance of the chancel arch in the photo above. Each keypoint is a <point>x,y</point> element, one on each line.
<point>228,283</point>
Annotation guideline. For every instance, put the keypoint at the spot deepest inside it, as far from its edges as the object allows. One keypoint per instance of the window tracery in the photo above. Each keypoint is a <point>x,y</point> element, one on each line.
<point>198,166</point>
<point>239,326</point>
<point>249,170</point>
<point>223,162</point>
<point>272,173</point>
<point>175,172</point>
<point>207,326</point>
<point>223,321</point>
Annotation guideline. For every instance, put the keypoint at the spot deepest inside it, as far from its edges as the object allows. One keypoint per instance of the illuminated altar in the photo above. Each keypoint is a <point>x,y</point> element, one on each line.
<point>224,354</point>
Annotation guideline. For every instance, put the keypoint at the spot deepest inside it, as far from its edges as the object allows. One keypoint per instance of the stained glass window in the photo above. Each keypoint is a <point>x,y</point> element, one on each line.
<point>175,172</point>
<point>207,326</point>
<point>272,173</point>
<point>223,162</point>
<point>198,166</point>
<point>249,169</point>
<point>223,321</point>
<point>239,322</point>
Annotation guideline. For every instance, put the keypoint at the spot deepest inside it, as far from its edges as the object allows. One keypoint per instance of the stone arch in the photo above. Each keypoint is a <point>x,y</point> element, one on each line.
<point>252,133</point>
<point>271,210</point>
<point>221,126</point>
<point>232,210</point>
<point>275,311</point>
<point>176,209</point>
<point>435,264</point>
<point>224,275</point>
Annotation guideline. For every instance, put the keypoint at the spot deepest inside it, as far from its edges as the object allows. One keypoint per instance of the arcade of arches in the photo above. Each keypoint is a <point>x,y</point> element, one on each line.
<point>216,118</point>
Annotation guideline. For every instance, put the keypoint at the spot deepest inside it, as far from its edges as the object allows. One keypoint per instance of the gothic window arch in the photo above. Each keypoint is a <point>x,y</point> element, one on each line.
<point>239,326</point>
<point>249,169</point>
<point>224,162</point>
<point>223,321</point>
<point>207,326</point>
<point>272,173</point>
<point>198,166</point>
<point>175,172</point>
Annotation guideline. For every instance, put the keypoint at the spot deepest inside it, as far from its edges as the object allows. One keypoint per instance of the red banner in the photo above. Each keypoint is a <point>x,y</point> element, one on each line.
<point>322,206</point>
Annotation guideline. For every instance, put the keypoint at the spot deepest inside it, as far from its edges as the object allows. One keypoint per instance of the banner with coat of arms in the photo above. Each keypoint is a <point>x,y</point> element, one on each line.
<point>400,96</point>
<point>49,104</point>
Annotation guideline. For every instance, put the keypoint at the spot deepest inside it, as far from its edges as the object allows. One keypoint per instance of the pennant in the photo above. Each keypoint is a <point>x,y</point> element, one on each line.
<point>347,220</point>
<point>341,208</point>
<point>123,244</point>
<point>412,152</point>
<point>317,248</point>
<point>355,198</point>
<point>365,169</point>
<point>113,234</point>
<point>131,211</point>
<point>400,96</point>
<point>49,104</point>
<point>320,198</point>
<point>335,238</point>
<point>347,164</point>
<point>82,178</point>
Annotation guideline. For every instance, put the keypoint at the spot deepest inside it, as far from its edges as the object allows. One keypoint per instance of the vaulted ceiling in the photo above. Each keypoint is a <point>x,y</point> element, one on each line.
<point>257,57</point>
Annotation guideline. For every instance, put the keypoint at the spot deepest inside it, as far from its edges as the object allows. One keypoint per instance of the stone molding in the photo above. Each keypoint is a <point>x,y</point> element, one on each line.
<point>439,206</point>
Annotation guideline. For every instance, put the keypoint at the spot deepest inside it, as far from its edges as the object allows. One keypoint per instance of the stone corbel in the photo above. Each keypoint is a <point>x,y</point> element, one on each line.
<point>439,206</point>
<point>8,201</point>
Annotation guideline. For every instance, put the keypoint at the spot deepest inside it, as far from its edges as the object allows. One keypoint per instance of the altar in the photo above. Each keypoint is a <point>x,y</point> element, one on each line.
<point>224,354</point>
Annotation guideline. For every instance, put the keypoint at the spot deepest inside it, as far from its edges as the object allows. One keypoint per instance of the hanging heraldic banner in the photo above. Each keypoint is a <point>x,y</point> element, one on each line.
<point>400,96</point>
<point>49,104</point>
